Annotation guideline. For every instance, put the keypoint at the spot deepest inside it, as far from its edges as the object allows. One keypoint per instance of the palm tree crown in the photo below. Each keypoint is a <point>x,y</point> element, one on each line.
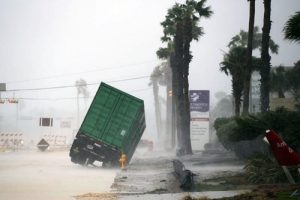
<point>292,28</point>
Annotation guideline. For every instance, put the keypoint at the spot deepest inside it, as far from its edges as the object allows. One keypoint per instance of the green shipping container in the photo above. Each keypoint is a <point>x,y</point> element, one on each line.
<point>113,125</point>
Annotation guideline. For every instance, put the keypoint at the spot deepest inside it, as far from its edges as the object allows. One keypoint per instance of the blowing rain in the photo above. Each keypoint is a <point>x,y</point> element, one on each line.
<point>128,100</point>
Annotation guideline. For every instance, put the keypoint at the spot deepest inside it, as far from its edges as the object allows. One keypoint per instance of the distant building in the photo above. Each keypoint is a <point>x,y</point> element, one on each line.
<point>254,97</point>
<point>275,102</point>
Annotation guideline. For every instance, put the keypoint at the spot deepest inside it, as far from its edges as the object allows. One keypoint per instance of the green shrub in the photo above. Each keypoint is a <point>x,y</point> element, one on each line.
<point>248,128</point>
<point>224,131</point>
<point>219,122</point>
<point>262,168</point>
<point>244,135</point>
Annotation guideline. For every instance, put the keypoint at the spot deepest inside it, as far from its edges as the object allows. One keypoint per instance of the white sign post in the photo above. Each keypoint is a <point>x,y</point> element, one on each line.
<point>199,107</point>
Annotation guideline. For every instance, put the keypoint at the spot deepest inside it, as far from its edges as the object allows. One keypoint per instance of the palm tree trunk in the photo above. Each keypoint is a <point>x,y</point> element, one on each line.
<point>237,105</point>
<point>174,100</point>
<point>265,57</point>
<point>187,117</point>
<point>157,109</point>
<point>179,76</point>
<point>249,58</point>
<point>169,110</point>
<point>237,94</point>
<point>180,110</point>
<point>186,61</point>
<point>281,93</point>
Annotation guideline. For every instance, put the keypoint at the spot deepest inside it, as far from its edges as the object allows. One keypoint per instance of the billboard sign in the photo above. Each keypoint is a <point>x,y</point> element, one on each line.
<point>199,108</point>
<point>199,100</point>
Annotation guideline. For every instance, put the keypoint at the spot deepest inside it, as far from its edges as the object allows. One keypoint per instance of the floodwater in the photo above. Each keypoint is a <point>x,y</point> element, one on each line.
<point>153,171</point>
<point>30,175</point>
<point>49,176</point>
<point>180,196</point>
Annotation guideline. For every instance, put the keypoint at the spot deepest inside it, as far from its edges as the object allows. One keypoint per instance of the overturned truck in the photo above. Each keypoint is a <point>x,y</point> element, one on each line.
<point>113,125</point>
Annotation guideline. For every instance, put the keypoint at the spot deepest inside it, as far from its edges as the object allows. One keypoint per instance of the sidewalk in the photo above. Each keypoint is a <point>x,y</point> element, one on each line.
<point>178,196</point>
<point>150,175</point>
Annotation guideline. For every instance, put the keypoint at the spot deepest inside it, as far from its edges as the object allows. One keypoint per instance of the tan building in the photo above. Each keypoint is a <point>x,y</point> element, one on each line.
<point>288,103</point>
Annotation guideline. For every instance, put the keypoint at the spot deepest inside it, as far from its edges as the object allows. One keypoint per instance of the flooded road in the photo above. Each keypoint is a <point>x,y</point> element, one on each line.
<point>49,176</point>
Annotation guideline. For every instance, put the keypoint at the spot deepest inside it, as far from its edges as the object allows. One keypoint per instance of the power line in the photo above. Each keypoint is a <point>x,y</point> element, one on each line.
<point>140,90</point>
<point>83,72</point>
<point>72,86</point>
<point>52,99</point>
<point>68,98</point>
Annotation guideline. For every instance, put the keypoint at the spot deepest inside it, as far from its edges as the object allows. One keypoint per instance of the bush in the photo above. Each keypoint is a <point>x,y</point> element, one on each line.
<point>232,136</point>
<point>224,131</point>
<point>239,133</point>
<point>244,136</point>
<point>219,122</point>
<point>263,168</point>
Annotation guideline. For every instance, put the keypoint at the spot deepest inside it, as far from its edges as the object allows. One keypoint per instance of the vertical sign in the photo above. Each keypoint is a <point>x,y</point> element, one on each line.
<point>255,92</point>
<point>199,108</point>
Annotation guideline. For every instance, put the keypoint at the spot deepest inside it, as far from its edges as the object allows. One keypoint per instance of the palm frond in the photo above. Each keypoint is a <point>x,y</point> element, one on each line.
<point>292,28</point>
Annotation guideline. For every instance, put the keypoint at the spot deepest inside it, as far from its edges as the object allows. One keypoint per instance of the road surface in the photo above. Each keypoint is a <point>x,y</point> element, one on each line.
<point>49,176</point>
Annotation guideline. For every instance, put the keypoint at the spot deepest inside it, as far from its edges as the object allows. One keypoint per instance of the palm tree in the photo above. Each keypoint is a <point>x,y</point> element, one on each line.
<point>292,28</point>
<point>170,112</point>
<point>279,81</point>
<point>234,64</point>
<point>154,82</point>
<point>248,67</point>
<point>265,58</point>
<point>294,82</point>
<point>241,39</point>
<point>192,14</point>
<point>180,28</point>
<point>178,71</point>
<point>81,86</point>
<point>237,58</point>
<point>168,54</point>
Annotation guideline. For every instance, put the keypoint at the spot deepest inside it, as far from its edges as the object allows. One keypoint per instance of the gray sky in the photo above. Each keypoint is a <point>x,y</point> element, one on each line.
<point>47,43</point>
